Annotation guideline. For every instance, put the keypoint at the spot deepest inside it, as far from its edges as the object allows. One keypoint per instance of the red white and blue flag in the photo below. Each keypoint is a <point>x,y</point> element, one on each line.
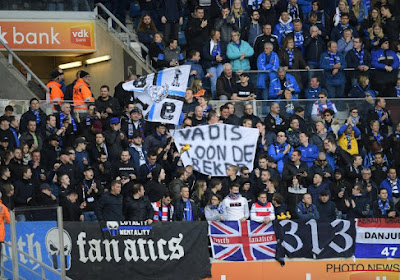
<point>242,241</point>
<point>378,238</point>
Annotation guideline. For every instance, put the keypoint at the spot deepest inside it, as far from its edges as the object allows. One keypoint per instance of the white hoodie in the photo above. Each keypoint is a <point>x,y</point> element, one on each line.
<point>235,209</point>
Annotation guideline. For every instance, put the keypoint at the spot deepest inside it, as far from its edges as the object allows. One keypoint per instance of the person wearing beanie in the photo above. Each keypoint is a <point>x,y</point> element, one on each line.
<point>82,93</point>
<point>54,86</point>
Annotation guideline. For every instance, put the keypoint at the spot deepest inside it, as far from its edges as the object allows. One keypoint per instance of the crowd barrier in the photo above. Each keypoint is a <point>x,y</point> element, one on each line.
<point>261,107</point>
<point>179,250</point>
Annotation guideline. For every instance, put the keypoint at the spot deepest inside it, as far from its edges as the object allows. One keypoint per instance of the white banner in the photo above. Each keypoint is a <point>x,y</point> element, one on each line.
<point>214,147</point>
<point>152,90</point>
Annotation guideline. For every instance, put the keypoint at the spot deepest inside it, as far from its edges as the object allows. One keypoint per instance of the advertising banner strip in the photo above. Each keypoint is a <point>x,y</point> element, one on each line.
<point>45,35</point>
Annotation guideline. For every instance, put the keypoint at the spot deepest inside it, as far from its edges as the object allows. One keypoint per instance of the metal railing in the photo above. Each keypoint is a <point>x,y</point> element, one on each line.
<point>126,39</point>
<point>16,252</point>
<point>30,74</point>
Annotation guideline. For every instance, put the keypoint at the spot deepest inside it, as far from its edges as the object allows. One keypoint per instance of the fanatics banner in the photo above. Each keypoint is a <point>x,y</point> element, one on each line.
<point>378,238</point>
<point>122,250</point>
<point>214,147</point>
<point>242,241</point>
<point>112,250</point>
<point>315,239</point>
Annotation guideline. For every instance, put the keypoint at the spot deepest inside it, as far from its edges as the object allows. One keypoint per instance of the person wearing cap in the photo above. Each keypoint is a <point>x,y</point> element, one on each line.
<point>5,133</point>
<point>33,113</point>
<point>326,208</point>
<point>81,155</point>
<point>116,139</point>
<point>82,93</point>
<point>50,152</point>
<point>136,150</point>
<point>66,166</point>
<point>44,198</point>
<point>386,63</point>
<point>54,86</point>
<point>245,89</point>
<point>133,124</point>
<point>89,193</point>
<point>107,105</point>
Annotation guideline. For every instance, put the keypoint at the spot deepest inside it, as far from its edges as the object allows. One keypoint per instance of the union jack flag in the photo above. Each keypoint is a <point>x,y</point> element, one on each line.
<point>242,241</point>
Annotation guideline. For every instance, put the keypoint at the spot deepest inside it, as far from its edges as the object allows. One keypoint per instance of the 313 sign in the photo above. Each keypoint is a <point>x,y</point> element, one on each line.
<point>314,239</point>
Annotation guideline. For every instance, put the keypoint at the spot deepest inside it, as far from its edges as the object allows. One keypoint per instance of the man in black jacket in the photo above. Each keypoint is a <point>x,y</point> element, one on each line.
<point>326,208</point>
<point>109,207</point>
<point>44,198</point>
<point>70,205</point>
<point>34,113</point>
<point>265,37</point>
<point>197,30</point>
<point>138,207</point>
<point>185,209</point>
<point>358,58</point>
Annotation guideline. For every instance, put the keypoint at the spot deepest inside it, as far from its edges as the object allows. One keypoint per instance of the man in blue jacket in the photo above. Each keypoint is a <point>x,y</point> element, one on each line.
<point>283,83</point>
<point>280,151</point>
<point>386,63</point>
<point>333,63</point>
<point>392,185</point>
<point>306,210</point>
<point>267,61</point>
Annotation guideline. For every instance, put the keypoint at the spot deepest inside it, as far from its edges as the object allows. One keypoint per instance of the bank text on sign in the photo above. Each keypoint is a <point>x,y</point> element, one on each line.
<point>23,35</point>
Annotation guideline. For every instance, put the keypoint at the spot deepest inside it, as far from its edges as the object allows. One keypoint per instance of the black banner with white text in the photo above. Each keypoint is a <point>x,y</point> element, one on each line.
<point>315,239</point>
<point>131,250</point>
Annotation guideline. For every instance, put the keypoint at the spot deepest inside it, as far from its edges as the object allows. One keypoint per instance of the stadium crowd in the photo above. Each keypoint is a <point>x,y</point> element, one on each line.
<point>101,160</point>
